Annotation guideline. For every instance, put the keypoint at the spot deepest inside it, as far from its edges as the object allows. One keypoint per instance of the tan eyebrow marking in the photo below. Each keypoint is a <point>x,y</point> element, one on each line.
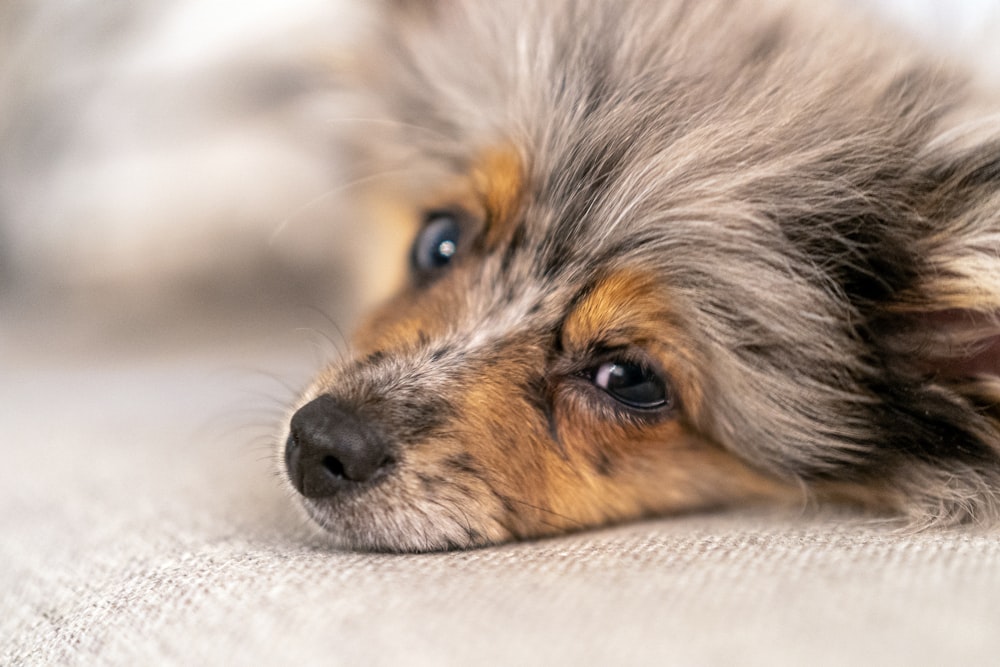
<point>629,307</point>
<point>498,178</point>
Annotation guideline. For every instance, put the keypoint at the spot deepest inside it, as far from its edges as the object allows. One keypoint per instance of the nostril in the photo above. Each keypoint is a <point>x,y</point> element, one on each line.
<point>330,448</point>
<point>334,466</point>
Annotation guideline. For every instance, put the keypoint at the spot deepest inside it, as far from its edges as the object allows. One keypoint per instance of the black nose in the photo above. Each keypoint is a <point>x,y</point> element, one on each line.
<point>330,448</point>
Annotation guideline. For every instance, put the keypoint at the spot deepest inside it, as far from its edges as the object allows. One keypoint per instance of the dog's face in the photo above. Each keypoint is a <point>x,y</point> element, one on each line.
<point>651,241</point>
<point>521,385</point>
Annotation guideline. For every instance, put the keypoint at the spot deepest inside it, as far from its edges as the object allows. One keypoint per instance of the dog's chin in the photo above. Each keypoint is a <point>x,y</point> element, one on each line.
<point>415,525</point>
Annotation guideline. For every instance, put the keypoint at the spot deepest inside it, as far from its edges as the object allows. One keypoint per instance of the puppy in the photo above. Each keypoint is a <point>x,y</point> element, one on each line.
<point>669,255</point>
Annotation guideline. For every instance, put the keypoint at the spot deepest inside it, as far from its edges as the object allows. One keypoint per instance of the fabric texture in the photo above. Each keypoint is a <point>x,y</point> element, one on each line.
<point>143,522</point>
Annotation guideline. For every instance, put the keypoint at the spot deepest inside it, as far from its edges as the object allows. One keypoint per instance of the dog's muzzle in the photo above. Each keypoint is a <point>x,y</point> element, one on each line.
<point>331,450</point>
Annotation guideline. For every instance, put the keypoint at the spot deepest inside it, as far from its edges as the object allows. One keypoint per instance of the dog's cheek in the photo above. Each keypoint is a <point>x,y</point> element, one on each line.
<point>614,472</point>
<point>540,474</point>
<point>506,446</point>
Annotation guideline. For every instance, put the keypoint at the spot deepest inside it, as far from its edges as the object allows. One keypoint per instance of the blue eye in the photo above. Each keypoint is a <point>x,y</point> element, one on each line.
<point>436,244</point>
<point>631,384</point>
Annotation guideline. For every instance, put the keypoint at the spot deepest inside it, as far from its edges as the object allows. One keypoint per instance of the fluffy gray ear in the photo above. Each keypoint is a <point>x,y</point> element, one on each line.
<point>953,309</point>
<point>938,339</point>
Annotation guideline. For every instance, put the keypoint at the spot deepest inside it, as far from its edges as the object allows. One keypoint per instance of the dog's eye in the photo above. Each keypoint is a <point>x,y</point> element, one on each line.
<point>437,243</point>
<point>635,385</point>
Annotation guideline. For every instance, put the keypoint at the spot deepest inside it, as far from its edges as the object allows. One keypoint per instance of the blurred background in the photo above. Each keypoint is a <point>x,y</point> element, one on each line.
<point>168,173</point>
<point>169,162</point>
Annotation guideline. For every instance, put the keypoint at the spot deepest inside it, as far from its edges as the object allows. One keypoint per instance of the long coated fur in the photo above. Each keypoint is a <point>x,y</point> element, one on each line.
<point>787,218</point>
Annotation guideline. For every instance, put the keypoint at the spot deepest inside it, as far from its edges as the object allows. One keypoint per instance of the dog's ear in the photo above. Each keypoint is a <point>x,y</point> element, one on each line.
<point>938,338</point>
<point>953,310</point>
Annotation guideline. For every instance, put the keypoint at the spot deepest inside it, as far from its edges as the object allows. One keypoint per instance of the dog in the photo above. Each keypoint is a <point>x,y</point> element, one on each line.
<point>666,256</point>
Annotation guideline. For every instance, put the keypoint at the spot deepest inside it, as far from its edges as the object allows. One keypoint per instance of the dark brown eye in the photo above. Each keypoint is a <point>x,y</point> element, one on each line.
<point>632,384</point>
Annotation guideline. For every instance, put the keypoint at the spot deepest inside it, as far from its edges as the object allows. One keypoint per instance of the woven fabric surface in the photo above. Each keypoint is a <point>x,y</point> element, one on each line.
<point>141,525</point>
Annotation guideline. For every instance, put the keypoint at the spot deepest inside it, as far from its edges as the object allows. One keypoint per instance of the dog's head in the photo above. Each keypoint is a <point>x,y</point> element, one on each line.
<point>653,243</point>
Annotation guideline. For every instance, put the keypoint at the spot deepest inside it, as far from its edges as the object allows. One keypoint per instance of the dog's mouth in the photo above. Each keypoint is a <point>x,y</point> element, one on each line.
<point>368,494</point>
<point>396,512</point>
